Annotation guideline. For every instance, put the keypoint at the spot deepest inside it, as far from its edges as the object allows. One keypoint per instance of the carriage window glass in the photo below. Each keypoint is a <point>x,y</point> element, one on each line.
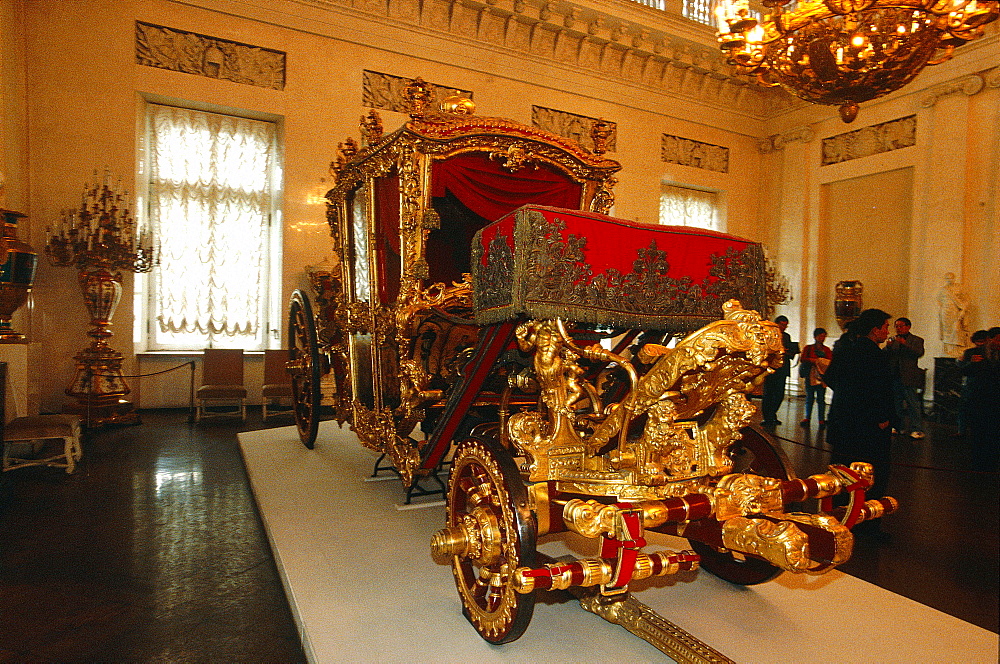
<point>359,235</point>
<point>688,206</point>
<point>212,202</point>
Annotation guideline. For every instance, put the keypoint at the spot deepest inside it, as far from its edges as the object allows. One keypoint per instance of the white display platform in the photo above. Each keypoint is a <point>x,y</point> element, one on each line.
<point>363,587</point>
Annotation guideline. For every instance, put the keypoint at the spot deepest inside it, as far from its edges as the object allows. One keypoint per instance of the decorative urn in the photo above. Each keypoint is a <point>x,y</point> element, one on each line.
<point>17,273</point>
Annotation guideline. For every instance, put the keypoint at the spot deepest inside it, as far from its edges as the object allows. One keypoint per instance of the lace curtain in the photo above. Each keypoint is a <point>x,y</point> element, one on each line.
<point>209,203</point>
<point>681,206</point>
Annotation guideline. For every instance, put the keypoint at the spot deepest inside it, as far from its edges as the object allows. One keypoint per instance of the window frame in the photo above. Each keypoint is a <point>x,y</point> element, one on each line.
<point>270,325</point>
<point>721,203</point>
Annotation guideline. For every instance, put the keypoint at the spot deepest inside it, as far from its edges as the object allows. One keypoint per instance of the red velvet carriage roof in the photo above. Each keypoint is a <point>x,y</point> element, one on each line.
<point>546,262</point>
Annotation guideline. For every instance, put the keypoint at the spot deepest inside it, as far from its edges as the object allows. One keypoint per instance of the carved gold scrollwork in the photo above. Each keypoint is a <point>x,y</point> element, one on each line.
<point>604,198</point>
<point>745,495</point>
<point>557,372</point>
<point>376,430</point>
<point>781,543</point>
<point>418,95</point>
<point>371,128</point>
<point>413,310</point>
<point>693,400</point>
<point>516,157</point>
<point>600,132</point>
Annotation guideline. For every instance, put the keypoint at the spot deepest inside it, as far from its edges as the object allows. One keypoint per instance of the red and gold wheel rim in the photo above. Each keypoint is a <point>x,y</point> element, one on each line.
<point>486,488</point>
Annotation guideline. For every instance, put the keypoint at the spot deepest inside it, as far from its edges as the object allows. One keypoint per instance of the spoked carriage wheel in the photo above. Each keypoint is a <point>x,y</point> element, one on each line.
<point>486,493</point>
<point>304,367</point>
<point>754,453</point>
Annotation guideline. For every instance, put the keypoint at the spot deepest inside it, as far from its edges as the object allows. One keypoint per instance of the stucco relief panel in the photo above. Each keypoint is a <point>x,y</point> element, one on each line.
<point>571,126</point>
<point>867,141</point>
<point>686,152</point>
<point>193,53</point>
<point>385,91</point>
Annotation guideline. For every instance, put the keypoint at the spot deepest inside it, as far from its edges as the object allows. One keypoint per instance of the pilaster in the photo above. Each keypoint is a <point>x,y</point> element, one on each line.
<point>938,216</point>
<point>794,240</point>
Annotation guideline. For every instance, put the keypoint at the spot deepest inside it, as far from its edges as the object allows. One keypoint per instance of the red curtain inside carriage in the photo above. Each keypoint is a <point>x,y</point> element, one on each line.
<point>468,192</point>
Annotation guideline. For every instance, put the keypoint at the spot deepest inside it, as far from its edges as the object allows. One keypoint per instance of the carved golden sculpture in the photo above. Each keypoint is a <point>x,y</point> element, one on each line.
<point>573,367</point>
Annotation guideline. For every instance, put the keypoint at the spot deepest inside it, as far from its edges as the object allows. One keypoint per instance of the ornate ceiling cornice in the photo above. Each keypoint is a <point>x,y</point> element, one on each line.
<point>616,40</point>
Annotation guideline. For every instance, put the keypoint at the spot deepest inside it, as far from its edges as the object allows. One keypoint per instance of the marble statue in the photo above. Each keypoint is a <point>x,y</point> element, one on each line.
<point>952,306</point>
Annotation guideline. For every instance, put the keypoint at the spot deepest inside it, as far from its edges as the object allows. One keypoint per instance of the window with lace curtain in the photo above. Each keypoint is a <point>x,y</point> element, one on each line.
<point>210,191</point>
<point>687,206</point>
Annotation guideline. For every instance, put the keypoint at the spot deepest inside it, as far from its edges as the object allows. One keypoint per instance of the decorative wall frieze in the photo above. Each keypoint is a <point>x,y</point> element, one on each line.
<point>684,151</point>
<point>631,49</point>
<point>867,141</point>
<point>572,126</point>
<point>193,53</point>
<point>967,85</point>
<point>992,77</point>
<point>385,91</point>
<point>779,141</point>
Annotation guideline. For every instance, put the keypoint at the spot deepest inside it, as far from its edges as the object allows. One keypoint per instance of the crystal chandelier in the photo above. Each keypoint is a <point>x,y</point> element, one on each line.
<point>843,52</point>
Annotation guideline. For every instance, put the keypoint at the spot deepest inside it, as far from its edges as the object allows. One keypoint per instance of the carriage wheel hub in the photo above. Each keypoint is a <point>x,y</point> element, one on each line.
<point>476,537</point>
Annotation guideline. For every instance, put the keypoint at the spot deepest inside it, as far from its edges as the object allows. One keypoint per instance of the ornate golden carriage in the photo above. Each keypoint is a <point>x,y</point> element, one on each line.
<point>576,372</point>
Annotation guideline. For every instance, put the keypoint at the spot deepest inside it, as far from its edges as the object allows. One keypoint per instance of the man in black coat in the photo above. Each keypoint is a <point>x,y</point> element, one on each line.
<point>982,372</point>
<point>774,384</point>
<point>908,380</point>
<point>862,414</point>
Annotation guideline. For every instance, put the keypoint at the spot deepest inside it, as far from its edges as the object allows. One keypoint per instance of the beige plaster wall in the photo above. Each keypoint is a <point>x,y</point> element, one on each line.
<point>924,210</point>
<point>82,94</point>
<point>867,239</point>
<point>85,94</point>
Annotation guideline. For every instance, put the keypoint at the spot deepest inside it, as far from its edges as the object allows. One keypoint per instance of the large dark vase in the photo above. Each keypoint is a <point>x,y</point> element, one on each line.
<point>17,273</point>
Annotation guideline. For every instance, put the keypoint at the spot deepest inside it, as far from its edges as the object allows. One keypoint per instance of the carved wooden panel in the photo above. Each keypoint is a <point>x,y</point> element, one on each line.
<point>193,53</point>
<point>684,151</point>
<point>385,91</point>
<point>864,142</point>
<point>570,125</point>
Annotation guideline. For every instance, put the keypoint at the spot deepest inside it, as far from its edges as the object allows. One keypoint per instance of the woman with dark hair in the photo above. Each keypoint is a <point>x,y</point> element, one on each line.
<point>859,426</point>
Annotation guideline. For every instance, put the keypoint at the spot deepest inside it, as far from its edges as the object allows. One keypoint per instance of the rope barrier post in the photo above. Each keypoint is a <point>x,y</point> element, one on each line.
<point>191,394</point>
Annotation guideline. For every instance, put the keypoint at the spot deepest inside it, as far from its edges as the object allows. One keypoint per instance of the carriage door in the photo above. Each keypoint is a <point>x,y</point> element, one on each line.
<point>359,260</point>
<point>374,258</point>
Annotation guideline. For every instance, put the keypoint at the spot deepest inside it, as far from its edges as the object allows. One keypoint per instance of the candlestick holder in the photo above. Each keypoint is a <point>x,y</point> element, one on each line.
<point>101,239</point>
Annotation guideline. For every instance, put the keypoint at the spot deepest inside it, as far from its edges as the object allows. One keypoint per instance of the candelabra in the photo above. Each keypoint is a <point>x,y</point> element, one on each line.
<point>101,240</point>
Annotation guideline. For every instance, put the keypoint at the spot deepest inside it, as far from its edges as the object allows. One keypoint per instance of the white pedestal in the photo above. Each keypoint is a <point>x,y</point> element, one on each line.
<point>16,357</point>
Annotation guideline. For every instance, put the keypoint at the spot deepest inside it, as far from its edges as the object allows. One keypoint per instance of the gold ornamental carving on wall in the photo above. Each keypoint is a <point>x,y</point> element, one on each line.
<point>868,141</point>
<point>388,92</point>
<point>193,53</point>
<point>575,127</point>
<point>686,152</point>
